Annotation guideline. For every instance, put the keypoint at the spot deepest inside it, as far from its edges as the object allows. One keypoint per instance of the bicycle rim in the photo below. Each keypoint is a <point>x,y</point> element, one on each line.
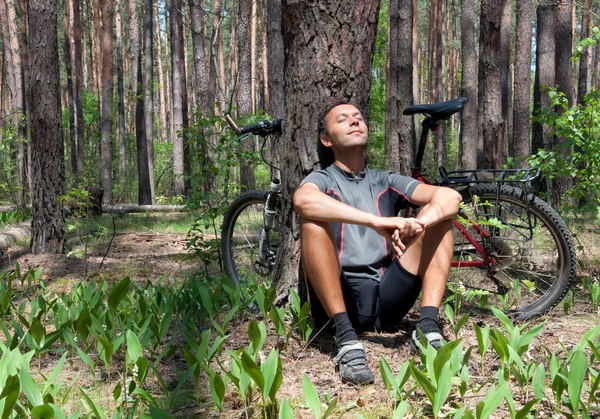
<point>530,244</point>
<point>241,232</point>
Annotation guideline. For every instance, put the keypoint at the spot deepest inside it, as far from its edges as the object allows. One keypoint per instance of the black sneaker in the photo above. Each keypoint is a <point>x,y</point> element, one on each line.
<point>351,362</point>
<point>434,338</point>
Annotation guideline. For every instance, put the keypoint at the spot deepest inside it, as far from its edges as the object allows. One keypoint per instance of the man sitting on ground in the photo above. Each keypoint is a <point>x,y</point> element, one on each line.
<point>365,265</point>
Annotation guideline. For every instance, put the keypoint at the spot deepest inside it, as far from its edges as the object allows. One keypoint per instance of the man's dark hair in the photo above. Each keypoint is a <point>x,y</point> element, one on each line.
<point>326,156</point>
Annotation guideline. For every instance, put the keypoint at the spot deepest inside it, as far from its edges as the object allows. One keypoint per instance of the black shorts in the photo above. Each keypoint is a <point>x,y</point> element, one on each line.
<point>373,305</point>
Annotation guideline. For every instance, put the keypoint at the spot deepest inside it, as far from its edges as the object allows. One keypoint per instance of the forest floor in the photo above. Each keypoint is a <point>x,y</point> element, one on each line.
<point>144,255</point>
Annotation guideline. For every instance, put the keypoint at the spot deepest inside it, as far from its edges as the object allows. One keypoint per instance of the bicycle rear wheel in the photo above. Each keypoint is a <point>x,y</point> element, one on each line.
<point>531,245</point>
<point>240,238</point>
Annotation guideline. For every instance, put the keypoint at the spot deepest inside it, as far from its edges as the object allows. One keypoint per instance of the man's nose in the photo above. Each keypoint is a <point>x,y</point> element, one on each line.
<point>353,121</point>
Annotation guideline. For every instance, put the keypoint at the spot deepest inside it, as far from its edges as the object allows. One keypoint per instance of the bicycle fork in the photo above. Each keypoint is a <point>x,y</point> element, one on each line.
<point>269,219</point>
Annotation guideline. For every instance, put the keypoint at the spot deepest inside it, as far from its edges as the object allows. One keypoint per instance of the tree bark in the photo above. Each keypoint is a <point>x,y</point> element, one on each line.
<point>467,154</point>
<point>148,93</point>
<point>144,189</point>
<point>180,117</point>
<point>399,129</point>
<point>120,96</point>
<point>490,85</point>
<point>545,74</point>
<point>134,43</point>
<point>564,81</point>
<point>519,143</point>
<point>329,52</point>
<point>105,9</point>
<point>70,92</point>
<point>505,47</point>
<point>79,85</point>
<point>162,91</point>
<point>415,71</point>
<point>10,70</point>
<point>583,84</point>
<point>244,87</point>
<point>48,226</point>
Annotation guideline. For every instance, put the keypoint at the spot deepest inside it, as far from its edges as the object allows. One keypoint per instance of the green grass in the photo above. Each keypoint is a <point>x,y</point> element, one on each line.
<point>173,222</point>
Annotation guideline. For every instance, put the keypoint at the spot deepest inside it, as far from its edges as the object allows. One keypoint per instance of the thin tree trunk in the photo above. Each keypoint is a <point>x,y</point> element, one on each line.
<point>253,88</point>
<point>180,117</point>
<point>438,75</point>
<point>25,67</point>
<point>415,70</point>
<point>10,69</point>
<point>315,50</point>
<point>244,87</point>
<point>105,9</point>
<point>144,189</point>
<point>134,42</point>
<point>148,94</point>
<point>168,77</point>
<point>490,85</point>
<point>583,85</point>
<point>505,37</point>
<point>19,116</point>
<point>212,45</point>
<point>545,74</point>
<point>48,226</point>
<point>232,63</point>
<point>519,143</point>
<point>399,129</point>
<point>565,83</point>
<point>121,96</point>
<point>78,89</point>
<point>70,93</point>
<point>161,81</point>
<point>467,154</point>
<point>86,29</point>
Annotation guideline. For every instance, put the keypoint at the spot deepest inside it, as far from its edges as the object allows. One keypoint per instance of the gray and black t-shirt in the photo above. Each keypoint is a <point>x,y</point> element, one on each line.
<point>363,253</point>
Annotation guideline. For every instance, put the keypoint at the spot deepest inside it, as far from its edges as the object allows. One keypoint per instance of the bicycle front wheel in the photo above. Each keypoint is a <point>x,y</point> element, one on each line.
<point>532,252</point>
<point>241,237</point>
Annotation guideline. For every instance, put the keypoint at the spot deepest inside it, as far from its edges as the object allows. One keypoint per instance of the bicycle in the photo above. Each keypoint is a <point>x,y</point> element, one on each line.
<point>512,250</point>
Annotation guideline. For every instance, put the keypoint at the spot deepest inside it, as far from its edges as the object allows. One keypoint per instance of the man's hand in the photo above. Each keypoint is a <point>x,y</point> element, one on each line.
<point>402,232</point>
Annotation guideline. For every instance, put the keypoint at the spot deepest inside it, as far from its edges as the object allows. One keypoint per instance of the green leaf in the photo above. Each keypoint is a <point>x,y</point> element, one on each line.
<point>253,371</point>
<point>285,410</point>
<point>460,323</point>
<point>29,387</point>
<point>217,389</point>
<point>43,411</point>
<point>37,331</point>
<point>401,410</point>
<point>157,413</point>
<point>330,408</point>
<point>87,360</point>
<point>492,401</point>
<point>576,378</point>
<point>311,396</point>
<point>93,406</point>
<point>423,382</point>
<point>503,319</point>
<point>443,390</point>
<point>271,371</point>
<point>443,355</point>
<point>118,292</point>
<point>522,413</point>
<point>134,349</point>
<point>538,382</point>
<point>386,374</point>
<point>10,392</point>
<point>83,322</point>
<point>117,391</point>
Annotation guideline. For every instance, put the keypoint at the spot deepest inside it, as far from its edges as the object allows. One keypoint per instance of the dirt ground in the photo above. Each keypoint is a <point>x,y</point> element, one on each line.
<point>151,256</point>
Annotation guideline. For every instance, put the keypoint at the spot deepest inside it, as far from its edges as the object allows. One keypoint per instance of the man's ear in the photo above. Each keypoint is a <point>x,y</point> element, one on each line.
<point>325,140</point>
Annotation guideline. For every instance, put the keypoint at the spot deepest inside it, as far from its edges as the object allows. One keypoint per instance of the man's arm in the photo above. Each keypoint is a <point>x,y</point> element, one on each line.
<point>442,203</point>
<point>315,205</point>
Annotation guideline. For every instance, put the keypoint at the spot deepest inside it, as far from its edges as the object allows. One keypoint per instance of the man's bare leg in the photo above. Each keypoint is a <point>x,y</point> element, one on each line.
<point>322,266</point>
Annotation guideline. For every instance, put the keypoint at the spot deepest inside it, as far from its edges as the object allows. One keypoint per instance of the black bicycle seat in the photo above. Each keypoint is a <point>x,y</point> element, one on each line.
<point>437,111</point>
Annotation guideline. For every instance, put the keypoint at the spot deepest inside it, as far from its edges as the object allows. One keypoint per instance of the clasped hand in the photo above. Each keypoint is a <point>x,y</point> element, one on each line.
<point>402,232</point>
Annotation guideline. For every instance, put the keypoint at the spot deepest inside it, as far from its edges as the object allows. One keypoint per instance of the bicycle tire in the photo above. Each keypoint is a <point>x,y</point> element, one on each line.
<point>240,233</point>
<point>535,266</point>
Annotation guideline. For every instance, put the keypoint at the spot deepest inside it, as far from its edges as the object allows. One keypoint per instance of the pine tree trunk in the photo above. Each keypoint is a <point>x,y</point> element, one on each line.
<point>121,96</point>
<point>583,85</point>
<point>19,117</point>
<point>329,52</point>
<point>564,81</point>
<point>505,37</point>
<point>144,189</point>
<point>253,17</point>
<point>10,70</point>
<point>79,85</point>
<point>415,71</point>
<point>467,151</point>
<point>134,42</point>
<point>105,9</point>
<point>399,128</point>
<point>48,226</point>
<point>545,74</point>
<point>70,93</point>
<point>148,93</point>
<point>244,87</point>
<point>519,143</point>
<point>212,50</point>
<point>25,68</point>
<point>438,75</point>
<point>490,85</point>
<point>180,117</point>
<point>161,81</point>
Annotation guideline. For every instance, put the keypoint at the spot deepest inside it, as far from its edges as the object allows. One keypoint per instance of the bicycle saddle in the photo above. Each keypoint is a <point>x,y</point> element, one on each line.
<point>437,111</point>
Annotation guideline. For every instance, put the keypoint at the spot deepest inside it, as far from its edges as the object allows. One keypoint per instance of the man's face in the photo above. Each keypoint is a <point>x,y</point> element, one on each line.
<point>345,127</point>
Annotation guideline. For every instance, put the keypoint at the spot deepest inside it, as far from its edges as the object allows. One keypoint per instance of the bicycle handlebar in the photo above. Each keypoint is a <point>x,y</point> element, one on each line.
<point>261,128</point>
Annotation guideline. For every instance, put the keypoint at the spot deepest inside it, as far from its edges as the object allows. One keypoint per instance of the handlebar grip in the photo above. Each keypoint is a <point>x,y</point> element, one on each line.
<point>232,124</point>
<point>251,128</point>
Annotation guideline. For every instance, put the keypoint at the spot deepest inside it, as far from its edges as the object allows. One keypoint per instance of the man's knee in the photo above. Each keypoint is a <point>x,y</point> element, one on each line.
<point>311,227</point>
